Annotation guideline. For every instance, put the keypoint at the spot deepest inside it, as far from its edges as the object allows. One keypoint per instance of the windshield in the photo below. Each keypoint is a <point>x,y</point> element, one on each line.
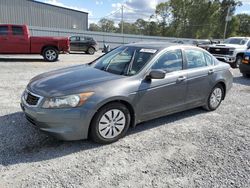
<point>238,41</point>
<point>125,60</point>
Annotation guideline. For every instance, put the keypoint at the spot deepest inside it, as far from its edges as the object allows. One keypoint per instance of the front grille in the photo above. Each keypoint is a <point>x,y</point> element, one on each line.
<point>220,51</point>
<point>32,99</point>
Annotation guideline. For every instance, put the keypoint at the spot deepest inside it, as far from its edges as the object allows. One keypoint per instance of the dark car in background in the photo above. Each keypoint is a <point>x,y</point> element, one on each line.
<point>83,44</point>
<point>245,65</point>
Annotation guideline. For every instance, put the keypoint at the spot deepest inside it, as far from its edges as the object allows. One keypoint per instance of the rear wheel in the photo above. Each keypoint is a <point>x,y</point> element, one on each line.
<point>50,54</point>
<point>110,123</point>
<point>215,98</point>
<point>91,51</point>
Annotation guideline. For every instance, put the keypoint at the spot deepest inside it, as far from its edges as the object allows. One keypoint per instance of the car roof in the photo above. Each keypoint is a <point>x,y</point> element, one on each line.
<point>154,45</point>
<point>160,45</point>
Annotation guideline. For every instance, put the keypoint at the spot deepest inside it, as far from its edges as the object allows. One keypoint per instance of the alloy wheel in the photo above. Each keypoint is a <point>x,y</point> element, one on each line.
<point>216,97</point>
<point>50,55</point>
<point>112,123</point>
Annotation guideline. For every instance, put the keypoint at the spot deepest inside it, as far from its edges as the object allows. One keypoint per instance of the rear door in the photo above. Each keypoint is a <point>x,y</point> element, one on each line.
<point>19,41</point>
<point>199,78</point>
<point>84,44</point>
<point>4,39</point>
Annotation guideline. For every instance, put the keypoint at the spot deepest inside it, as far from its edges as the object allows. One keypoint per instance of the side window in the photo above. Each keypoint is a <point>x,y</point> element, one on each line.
<point>248,44</point>
<point>17,30</point>
<point>170,61</point>
<point>195,59</point>
<point>83,39</point>
<point>73,39</point>
<point>3,30</point>
<point>209,59</point>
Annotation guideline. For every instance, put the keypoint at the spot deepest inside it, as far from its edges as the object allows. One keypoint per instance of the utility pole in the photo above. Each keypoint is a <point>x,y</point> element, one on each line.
<point>228,18</point>
<point>122,20</point>
<point>122,26</point>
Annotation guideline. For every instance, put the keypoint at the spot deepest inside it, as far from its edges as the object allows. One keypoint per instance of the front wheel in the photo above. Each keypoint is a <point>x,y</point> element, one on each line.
<point>237,63</point>
<point>215,98</point>
<point>50,54</point>
<point>110,123</point>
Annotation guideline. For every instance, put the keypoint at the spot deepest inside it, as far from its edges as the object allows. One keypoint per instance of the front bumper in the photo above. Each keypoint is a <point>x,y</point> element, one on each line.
<point>225,58</point>
<point>64,124</point>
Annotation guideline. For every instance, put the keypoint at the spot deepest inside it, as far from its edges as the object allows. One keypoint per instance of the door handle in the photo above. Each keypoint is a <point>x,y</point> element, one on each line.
<point>211,71</point>
<point>181,78</point>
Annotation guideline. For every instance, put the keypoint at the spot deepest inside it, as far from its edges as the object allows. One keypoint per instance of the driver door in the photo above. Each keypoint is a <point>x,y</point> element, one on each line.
<point>158,97</point>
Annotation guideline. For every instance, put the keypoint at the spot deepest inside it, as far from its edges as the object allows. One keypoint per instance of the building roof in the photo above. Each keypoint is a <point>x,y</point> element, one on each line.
<point>34,1</point>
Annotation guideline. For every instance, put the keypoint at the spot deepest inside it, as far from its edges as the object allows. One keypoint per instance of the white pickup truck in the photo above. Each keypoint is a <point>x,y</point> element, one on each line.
<point>231,50</point>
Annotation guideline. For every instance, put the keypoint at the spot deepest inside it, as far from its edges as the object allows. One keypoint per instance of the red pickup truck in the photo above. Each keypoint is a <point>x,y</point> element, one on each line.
<point>16,39</point>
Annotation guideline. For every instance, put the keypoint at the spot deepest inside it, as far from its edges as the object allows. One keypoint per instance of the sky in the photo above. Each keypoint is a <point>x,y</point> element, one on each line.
<point>133,9</point>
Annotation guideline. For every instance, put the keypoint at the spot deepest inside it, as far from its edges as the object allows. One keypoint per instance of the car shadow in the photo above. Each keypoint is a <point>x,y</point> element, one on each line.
<point>14,60</point>
<point>242,80</point>
<point>22,143</point>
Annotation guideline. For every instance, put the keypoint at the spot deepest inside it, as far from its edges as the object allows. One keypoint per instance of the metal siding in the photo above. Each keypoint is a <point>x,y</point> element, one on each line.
<point>42,15</point>
<point>112,39</point>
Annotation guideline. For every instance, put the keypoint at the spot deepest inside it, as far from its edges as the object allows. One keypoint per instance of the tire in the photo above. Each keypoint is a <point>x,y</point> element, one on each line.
<point>237,62</point>
<point>91,51</point>
<point>246,75</point>
<point>110,123</point>
<point>215,98</point>
<point>50,54</point>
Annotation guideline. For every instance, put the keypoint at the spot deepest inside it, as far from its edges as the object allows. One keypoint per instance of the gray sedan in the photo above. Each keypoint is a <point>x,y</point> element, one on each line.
<point>129,85</point>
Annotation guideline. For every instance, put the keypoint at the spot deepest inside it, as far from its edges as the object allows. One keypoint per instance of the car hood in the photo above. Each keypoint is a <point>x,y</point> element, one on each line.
<point>222,45</point>
<point>69,80</point>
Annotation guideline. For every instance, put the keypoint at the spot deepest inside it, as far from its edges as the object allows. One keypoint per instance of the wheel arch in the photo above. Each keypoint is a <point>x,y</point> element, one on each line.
<point>122,101</point>
<point>240,54</point>
<point>48,46</point>
<point>223,84</point>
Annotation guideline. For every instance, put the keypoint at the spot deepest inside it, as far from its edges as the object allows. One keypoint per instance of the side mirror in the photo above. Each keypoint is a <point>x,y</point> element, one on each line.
<point>156,74</point>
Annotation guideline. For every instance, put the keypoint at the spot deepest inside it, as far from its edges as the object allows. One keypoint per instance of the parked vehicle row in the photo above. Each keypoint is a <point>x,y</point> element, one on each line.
<point>16,39</point>
<point>231,50</point>
<point>131,84</point>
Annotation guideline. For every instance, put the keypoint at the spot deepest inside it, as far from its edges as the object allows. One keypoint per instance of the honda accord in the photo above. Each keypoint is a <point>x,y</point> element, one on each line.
<point>131,84</point>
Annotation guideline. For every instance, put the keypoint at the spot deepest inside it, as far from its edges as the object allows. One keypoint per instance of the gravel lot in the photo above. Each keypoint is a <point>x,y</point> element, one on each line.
<point>189,149</point>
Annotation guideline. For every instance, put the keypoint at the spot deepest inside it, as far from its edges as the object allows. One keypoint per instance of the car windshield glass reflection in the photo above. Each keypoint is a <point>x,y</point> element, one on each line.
<point>126,61</point>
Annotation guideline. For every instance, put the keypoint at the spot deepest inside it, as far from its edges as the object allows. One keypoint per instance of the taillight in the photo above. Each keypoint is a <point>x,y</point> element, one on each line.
<point>246,60</point>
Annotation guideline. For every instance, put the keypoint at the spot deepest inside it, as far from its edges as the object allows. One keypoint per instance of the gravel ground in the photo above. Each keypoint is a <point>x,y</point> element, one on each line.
<point>189,149</point>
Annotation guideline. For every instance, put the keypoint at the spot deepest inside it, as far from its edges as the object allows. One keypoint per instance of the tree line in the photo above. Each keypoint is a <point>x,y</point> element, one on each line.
<point>185,19</point>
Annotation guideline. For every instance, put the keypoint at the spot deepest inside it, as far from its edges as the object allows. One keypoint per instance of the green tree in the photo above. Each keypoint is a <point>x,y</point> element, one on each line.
<point>94,27</point>
<point>107,25</point>
<point>243,24</point>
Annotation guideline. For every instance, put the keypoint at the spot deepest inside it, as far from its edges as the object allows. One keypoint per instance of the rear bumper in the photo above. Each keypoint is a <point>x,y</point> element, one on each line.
<point>244,68</point>
<point>225,58</point>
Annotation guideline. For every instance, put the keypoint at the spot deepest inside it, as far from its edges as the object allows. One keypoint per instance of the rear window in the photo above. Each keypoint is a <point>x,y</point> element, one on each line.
<point>3,30</point>
<point>17,30</point>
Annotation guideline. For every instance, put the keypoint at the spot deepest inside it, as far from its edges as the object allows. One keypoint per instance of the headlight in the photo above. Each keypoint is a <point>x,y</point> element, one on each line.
<point>69,101</point>
<point>246,58</point>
